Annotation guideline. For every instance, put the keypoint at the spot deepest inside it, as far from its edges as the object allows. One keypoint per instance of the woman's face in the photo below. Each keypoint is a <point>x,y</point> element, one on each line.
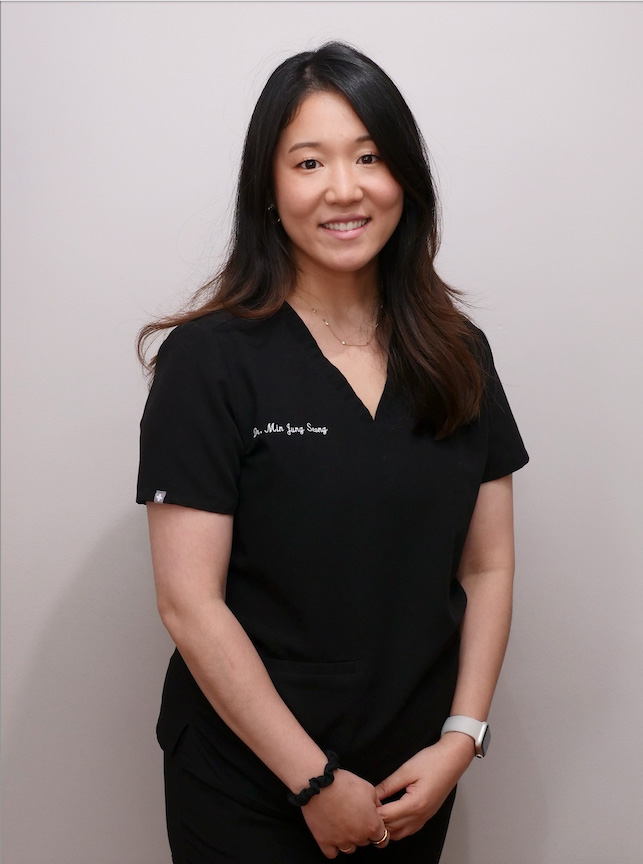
<point>337,201</point>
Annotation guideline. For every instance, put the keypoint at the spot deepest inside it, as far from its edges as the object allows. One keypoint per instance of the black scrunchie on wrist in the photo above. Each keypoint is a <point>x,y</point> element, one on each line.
<point>316,783</point>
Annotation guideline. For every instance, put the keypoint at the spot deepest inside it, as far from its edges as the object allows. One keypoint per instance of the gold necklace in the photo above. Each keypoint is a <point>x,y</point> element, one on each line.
<point>321,315</point>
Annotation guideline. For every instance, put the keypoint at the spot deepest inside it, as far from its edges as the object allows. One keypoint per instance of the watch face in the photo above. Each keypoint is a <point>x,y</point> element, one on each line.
<point>484,744</point>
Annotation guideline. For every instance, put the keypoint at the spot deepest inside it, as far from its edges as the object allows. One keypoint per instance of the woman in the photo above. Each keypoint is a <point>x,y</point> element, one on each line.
<point>326,456</point>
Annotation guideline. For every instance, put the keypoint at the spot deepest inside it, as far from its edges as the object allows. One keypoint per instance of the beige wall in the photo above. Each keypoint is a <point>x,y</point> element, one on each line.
<point>122,128</point>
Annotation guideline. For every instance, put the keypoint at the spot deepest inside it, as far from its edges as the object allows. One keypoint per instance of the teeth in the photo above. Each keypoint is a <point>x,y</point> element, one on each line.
<point>345,226</point>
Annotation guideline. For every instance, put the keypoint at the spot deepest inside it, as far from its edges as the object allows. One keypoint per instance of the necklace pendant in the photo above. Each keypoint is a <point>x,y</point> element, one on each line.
<point>343,343</point>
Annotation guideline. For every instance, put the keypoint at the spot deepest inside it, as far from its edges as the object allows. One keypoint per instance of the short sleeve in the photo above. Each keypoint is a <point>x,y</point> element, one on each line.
<point>190,446</point>
<point>505,449</point>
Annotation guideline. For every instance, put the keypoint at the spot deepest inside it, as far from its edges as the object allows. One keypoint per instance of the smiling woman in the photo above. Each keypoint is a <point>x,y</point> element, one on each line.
<point>340,204</point>
<point>326,454</point>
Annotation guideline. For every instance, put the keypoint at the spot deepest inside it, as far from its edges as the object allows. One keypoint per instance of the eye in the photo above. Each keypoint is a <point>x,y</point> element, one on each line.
<point>368,159</point>
<point>309,164</point>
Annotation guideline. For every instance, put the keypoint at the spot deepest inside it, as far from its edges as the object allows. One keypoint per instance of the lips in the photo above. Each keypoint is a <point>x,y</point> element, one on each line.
<point>345,226</point>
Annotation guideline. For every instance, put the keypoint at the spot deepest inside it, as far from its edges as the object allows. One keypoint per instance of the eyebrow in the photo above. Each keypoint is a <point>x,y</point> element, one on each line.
<point>302,145</point>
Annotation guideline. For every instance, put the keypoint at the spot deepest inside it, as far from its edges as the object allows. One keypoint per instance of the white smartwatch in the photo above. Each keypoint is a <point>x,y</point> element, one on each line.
<point>477,729</point>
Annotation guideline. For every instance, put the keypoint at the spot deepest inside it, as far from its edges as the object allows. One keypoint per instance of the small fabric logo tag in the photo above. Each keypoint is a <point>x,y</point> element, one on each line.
<point>159,496</point>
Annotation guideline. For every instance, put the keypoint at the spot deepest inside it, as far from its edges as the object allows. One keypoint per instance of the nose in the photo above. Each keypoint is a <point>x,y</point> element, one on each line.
<point>344,186</point>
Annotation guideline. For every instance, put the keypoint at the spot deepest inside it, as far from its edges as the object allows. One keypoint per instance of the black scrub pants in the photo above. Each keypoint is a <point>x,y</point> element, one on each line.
<point>206,825</point>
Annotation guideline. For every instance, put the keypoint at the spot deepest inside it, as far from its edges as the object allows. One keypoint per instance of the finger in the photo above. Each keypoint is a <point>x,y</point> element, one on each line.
<point>406,830</point>
<point>329,851</point>
<point>392,784</point>
<point>399,828</point>
<point>393,810</point>
<point>383,839</point>
<point>400,834</point>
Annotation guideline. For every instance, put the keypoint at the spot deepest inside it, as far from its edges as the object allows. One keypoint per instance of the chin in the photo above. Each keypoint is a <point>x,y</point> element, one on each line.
<point>348,265</point>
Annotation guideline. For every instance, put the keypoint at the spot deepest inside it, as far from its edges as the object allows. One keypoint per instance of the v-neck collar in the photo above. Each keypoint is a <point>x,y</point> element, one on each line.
<point>335,374</point>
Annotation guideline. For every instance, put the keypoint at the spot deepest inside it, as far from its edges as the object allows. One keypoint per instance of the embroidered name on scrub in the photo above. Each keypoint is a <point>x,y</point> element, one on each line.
<point>289,429</point>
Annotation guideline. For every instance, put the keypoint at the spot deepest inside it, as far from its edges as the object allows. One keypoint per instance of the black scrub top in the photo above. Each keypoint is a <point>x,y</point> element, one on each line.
<point>348,530</point>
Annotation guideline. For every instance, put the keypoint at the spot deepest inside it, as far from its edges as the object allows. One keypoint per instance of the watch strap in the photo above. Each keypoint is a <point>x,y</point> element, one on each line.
<point>477,729</point>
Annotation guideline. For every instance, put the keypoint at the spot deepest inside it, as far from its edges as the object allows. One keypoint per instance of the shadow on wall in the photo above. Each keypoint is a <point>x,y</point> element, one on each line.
<point>500,815</point>
<point>84,774</point>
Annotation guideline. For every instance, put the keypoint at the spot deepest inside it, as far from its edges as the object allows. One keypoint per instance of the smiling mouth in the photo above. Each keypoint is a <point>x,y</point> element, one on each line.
<point>345,226</point>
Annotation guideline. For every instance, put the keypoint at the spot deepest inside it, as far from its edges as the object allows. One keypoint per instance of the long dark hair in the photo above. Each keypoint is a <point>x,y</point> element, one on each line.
<point>433,352</point>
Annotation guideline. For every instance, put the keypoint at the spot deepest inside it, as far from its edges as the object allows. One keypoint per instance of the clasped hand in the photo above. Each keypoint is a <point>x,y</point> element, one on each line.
<point>350,812</point>
<point>427,778</point>
<point>344,815</point>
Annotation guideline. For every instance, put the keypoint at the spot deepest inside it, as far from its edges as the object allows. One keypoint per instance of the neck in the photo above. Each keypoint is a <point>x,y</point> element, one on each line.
<point>339,294</point>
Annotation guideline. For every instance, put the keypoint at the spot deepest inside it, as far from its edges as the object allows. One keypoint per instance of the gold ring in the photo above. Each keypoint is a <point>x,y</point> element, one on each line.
<point>383,840</point>
<point>350,848</point>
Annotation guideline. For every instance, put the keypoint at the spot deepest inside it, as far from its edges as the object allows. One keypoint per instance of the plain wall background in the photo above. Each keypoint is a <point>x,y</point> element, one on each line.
<point>123,124</point>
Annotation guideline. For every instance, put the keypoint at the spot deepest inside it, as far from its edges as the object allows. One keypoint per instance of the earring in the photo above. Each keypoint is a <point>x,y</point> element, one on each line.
<point>271,209</point>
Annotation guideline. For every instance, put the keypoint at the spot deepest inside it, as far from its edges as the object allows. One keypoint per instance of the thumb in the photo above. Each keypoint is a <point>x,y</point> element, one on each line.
<point>392,784</point>
<point>393,810</point>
